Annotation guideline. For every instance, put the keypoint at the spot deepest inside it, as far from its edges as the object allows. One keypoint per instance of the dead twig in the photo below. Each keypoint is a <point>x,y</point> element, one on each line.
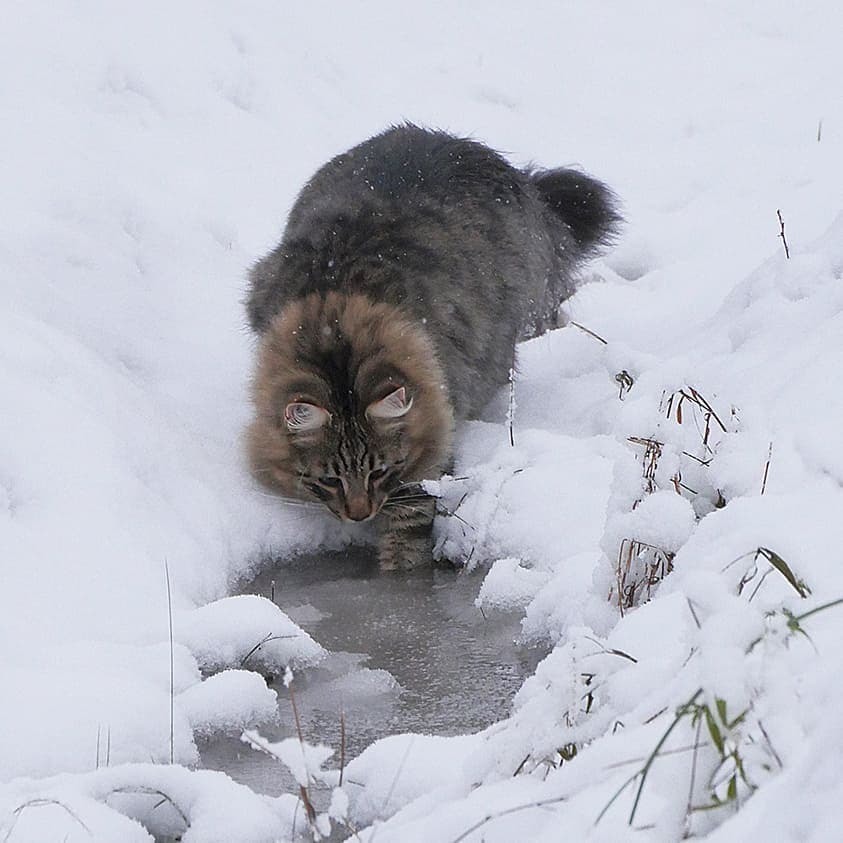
<point>541,803</point>
<point>649,462</point>
<point>265,640</point>
<point>655,563</point>
<point>767,468</point>
<point>674,410</point>
<point>42,803</point>
<point>510,412</point>
<point>172,667</point>
<point>152,791</point>
<point>781,234</point>
<point>589,332</point>
<point>304,793</point>
<point>342,744</point>
<point>625,382</point>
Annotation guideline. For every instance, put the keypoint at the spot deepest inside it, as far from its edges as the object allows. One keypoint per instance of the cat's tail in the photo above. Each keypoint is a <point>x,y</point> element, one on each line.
<point>589,209</point>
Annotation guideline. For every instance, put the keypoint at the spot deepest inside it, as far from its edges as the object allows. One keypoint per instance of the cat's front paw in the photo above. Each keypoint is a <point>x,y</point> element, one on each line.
<point>403,553</point>
<point>407,542</point>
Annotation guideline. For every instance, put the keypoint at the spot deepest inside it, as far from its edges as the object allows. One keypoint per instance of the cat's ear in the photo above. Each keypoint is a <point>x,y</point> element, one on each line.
<point>301,417</point>
<point>395,405</point>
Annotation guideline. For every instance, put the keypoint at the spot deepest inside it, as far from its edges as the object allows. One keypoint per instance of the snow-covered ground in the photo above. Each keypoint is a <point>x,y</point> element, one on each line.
<point>149,154</point>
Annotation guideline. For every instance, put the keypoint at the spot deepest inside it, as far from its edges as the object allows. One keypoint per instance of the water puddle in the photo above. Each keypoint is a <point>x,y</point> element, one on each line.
<point>409,653</point>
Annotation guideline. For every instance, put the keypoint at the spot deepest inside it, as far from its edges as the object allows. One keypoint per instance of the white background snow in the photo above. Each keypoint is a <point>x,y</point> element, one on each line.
<point>150,153</point>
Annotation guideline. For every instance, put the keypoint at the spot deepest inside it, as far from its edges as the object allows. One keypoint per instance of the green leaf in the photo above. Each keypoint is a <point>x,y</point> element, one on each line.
<point>732,790</point>
<point>739,719</point>
<point>713,730</point>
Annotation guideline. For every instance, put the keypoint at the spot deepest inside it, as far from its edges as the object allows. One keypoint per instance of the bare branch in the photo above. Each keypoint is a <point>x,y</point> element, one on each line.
<point>781,234</point>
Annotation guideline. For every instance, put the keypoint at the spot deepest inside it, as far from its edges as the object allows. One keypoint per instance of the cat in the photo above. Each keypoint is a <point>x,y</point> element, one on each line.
<point>409,268</point>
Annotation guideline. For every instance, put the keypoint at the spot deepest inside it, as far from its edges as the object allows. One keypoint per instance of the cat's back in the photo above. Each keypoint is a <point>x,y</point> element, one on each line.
<point>402,169</point>
<point>412,217</point>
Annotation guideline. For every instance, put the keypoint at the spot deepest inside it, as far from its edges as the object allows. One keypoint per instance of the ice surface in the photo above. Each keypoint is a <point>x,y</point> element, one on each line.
<point>433,662</point>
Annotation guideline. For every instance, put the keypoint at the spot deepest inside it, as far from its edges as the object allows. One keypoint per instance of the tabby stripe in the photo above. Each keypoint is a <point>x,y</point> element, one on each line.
<point>414,531</point>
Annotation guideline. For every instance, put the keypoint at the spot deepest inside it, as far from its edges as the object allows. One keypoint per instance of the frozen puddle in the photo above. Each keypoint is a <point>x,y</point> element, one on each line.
<point>409,653</point>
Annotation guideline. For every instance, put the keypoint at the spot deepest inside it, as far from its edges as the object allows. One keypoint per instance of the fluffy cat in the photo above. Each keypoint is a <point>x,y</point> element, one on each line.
<point>409,268</point>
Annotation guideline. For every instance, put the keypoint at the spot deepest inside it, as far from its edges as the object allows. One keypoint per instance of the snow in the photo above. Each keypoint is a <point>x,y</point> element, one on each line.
<point>152,152</point>
<point>228,703</point>
<point>302,759</point>
<point>405,770</point>
<point>142,802</point>
<point>245,629</point>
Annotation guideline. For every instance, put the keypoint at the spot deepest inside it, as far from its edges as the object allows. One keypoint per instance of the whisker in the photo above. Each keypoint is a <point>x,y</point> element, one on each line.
<point>458,517</point>
<point>441,510</point>
<point>410,498</point>
<point>290,501</point>
<point>405,506</point>
<point>412,484</point>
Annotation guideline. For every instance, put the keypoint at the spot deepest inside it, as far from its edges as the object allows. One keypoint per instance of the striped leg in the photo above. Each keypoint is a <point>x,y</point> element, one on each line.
<point>406,538</point>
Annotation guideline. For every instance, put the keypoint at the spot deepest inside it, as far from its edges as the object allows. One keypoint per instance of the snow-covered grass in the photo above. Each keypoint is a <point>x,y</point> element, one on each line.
<point>669,515</point>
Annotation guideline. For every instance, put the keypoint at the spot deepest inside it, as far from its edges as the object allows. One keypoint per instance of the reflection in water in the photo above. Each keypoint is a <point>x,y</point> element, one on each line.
<point>409,653</point>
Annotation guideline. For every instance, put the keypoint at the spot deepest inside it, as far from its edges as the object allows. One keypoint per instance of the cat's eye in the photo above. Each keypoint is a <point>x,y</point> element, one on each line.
<point>377,473</point>
<point>322,494</point>
<point>330,482</point>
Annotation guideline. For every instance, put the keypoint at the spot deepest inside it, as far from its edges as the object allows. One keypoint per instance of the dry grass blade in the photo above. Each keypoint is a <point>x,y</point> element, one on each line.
<point>265,640</point>
<point>682,712</point>
<point>510,412</point>
<point>172,667</point>
<point>42,803</point>
<point>610,651</point>
<point>767,468</point>
<point>693,612</point>
<point>781,225</point>
<point>784,569</point>
<point>649,461</point>
<point>697,459</point>
<point>616,795</point>
<point>696,399</point>
<point>701,402</point>
<point>589,332</point>
<point>521,766</point>
<point>616,765</point>
<point>342,745</point>
<point>398,771</point>
<point>304,793</point>
<point>693,776</point>
<point>164,798</point>
<point>540,803</point>
<point>645,770</point>
<point>640,567</point>
<point>625,383</point>
<point>760,583</point>
<point>821,608</point>
<point>770,745</point>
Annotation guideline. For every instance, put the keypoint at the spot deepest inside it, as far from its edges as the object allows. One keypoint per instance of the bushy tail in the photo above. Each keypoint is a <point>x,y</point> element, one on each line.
<point>588,208</point>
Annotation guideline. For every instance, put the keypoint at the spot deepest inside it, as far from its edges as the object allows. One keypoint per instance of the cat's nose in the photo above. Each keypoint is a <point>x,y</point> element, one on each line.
<point>358,507</point>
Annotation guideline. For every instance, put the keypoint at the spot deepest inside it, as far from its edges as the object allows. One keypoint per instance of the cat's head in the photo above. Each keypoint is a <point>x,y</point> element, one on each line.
<point>350,402</point>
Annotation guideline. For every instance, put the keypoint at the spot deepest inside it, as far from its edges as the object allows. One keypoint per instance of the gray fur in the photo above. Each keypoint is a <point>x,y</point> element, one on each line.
<point>444,228</point>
